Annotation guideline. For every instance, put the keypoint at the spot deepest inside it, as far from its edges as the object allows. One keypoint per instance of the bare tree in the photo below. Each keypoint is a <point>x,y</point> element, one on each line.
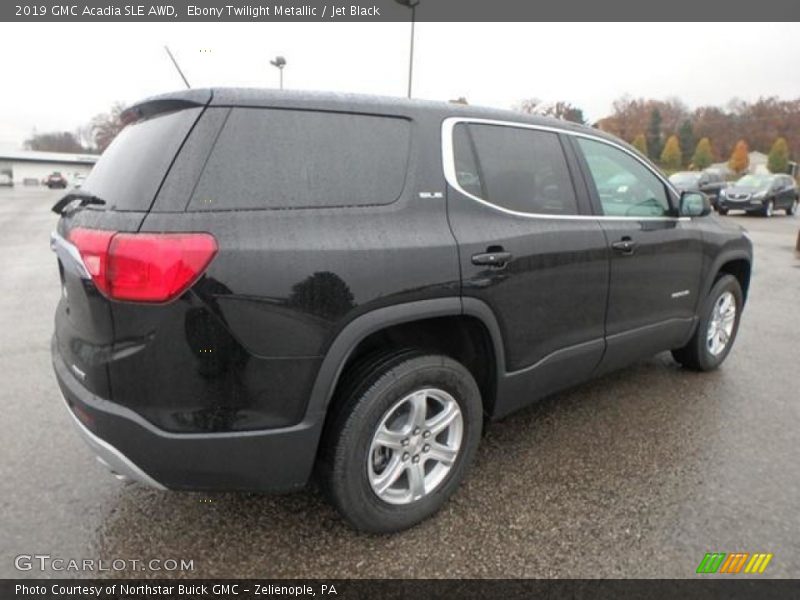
<point>106,126</point>
<point>55,141</point>
<point>529,106</point>
<point>564,111</point>
<point>560,110</point>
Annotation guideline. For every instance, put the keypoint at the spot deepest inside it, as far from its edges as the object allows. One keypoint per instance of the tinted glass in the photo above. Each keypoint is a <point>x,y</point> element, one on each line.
<point>131,169</point>
<point>267,158</point>
<point>520,169</point>
<point>466,166</point>
<point>626,187</point>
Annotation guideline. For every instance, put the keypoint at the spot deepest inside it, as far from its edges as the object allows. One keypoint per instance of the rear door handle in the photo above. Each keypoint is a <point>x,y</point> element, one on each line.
<point>625,246</point>
<point>492,259</point>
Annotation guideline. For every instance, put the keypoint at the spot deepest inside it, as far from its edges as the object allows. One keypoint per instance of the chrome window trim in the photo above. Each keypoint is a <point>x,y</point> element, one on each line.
<point>449,168</point>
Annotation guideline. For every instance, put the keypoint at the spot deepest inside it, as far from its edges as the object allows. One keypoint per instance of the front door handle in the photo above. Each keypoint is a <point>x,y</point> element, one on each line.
<point>492,259</point>
<point>625,246</point>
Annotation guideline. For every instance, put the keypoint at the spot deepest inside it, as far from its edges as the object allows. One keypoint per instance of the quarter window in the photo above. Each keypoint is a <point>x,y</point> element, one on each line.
<point>523,170</point>
<point>270,158</point>
<point>626,187</point>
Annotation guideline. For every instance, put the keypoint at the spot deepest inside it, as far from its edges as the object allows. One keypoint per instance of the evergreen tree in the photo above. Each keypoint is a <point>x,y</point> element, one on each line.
<point>778,159</point>
<point>654,144</point>
<point>686,139</point>
<point>640,143</point>
<point>703,156</point>
<point>671,157</point>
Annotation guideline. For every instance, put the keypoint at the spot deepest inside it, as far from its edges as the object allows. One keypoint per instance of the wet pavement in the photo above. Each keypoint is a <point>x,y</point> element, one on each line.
<point>637,474</point>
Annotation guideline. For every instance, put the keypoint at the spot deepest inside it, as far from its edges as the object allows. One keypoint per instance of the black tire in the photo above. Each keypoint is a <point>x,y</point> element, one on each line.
<point>696,355</point>
<point>722,211</point>
<point>378,384</point>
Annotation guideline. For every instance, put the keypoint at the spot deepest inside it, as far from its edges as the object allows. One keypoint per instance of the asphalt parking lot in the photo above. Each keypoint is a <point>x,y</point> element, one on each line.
<point>637,474</point>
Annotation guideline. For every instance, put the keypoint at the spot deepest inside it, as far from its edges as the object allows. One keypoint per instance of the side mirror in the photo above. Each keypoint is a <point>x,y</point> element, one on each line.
<point>694,204</point>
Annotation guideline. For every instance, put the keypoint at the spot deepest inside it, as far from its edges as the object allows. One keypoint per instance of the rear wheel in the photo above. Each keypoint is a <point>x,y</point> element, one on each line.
<point>717,328</point>
<point>402,441</point>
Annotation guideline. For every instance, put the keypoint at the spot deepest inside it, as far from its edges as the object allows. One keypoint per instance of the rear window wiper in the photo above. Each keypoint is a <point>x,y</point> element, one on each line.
<point>84,198</point>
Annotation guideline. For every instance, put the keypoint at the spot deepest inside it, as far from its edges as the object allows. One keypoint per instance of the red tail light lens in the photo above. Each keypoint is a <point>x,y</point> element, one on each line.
<point>93,247</point>
<point>144,267</point>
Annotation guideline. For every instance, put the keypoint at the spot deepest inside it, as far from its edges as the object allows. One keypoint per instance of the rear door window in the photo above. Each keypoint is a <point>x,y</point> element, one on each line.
<point>132,168</point>
<point>276,158</point>
<point>516,168</point>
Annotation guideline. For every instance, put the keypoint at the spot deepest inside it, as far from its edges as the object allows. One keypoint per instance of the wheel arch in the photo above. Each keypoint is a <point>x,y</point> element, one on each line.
<point>738,264</point>
<point>349,339</point>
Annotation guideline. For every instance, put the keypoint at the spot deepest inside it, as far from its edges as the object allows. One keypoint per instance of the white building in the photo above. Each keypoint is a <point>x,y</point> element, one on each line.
<point>757,164</point>
<point>30,168</point>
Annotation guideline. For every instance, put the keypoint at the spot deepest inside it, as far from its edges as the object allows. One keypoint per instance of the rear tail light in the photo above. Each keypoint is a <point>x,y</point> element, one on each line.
<point>144,267</point>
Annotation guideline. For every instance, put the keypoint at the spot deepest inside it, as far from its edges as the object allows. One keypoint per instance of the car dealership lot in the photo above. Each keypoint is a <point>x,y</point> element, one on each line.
<point>639,473</point>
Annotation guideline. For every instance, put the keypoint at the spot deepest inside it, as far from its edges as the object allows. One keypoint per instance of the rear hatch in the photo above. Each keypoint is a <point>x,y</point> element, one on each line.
<point>115,197</point>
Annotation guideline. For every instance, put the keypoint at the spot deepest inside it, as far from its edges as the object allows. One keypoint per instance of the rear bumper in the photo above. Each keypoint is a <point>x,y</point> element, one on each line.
<point>111,458</point>
<point>275,460</point>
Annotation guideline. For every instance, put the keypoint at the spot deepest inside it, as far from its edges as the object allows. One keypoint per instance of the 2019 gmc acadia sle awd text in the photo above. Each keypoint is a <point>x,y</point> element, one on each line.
<point>260,287</point>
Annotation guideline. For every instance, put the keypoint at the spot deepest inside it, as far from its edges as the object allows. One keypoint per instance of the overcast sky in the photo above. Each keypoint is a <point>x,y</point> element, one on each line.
<point>56,76</point>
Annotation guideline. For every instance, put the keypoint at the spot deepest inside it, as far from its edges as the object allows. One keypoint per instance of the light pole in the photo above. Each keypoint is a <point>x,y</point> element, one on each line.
<point>279,62</point>
<point>412,4</point>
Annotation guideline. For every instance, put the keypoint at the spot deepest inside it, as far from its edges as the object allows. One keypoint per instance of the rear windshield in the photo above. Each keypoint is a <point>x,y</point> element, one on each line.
<point>130,171</point>
<point>276,158</point>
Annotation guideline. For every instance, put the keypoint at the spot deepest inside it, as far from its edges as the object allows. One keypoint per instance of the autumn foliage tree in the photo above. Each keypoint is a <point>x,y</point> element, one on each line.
<point>640,143</point>
<point>671,157</point>
<point>778,159</point>
<point>759,122</point>
<point>703,155</point>
<point>740,158</point>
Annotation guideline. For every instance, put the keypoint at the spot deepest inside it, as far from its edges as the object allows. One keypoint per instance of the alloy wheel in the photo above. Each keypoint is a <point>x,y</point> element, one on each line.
<point>720,327</point>
<point>415,446</point>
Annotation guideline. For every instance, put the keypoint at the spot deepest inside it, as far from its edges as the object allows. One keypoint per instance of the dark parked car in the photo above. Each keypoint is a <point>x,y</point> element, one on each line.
<point>761,194</point>
<point>55,180</point>
<point>259,286</point>
<point>709,182</point>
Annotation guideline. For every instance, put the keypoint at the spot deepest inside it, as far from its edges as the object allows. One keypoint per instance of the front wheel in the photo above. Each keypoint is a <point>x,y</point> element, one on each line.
<point>716,329</point>
<point>722,211</point>
<point>402,441</point>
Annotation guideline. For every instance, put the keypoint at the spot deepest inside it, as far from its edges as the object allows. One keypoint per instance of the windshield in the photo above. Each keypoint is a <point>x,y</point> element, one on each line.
<point>755,181</point>
<point>684,178</point>
<point>130,171</point>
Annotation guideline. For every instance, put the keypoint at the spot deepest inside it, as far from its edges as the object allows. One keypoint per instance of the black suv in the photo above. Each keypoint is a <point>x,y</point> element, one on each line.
<point>260,286</point>
<point>761,194</point>
<point>710,182</point>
